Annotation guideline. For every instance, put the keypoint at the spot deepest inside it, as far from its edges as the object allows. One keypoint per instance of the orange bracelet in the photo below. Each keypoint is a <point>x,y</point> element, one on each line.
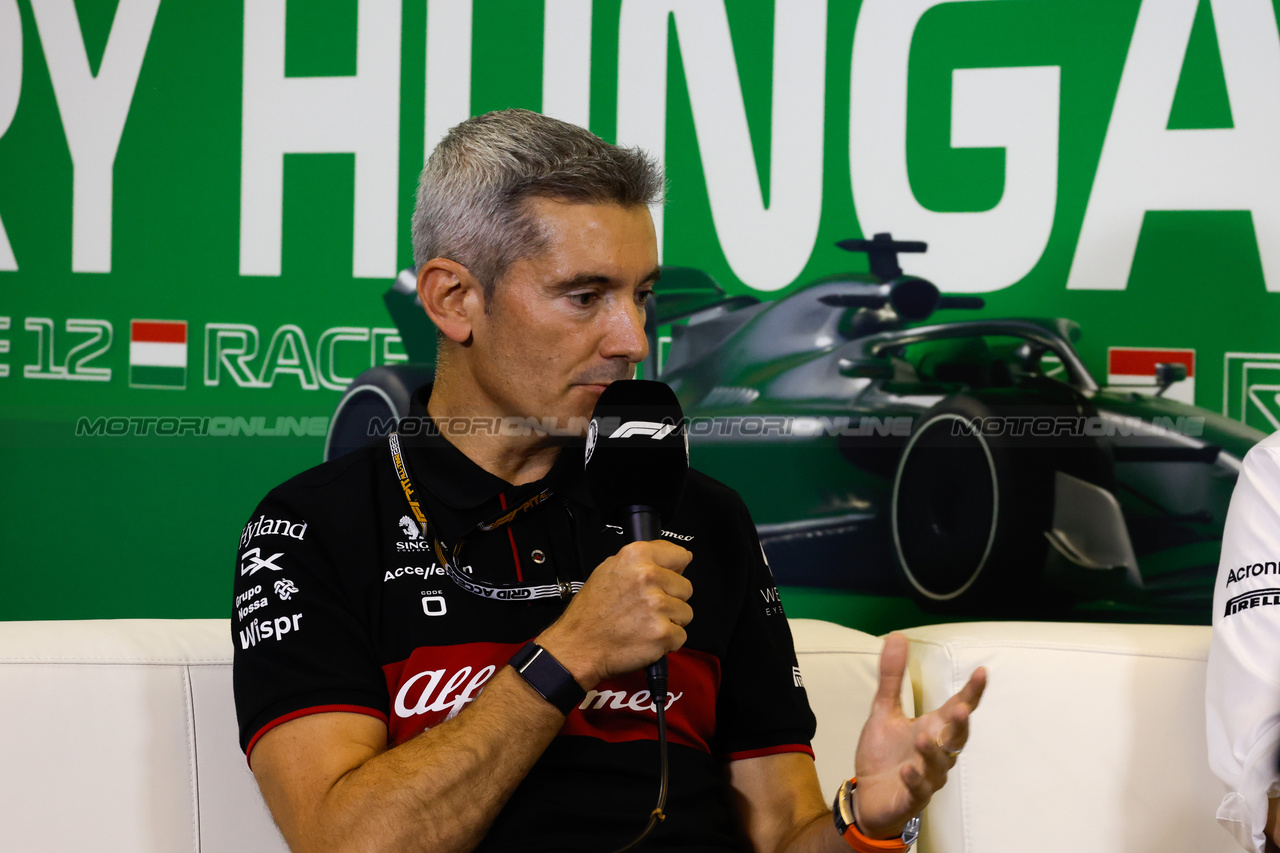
<point>848,828</point>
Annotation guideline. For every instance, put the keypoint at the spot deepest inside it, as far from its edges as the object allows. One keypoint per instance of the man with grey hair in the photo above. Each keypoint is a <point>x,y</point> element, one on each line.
<point>495,699</point>
<point>471,192</point>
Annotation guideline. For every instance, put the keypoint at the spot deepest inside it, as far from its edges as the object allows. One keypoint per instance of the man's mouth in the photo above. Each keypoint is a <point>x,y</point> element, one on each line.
<point>598,383</point>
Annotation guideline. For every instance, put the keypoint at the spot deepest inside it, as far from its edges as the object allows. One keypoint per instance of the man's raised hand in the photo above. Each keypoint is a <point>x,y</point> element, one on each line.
<point>902,761</point>
<point>630,612</point>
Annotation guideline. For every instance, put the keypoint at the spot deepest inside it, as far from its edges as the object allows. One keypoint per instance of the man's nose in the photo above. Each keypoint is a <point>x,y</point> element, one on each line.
<point>625,336</point>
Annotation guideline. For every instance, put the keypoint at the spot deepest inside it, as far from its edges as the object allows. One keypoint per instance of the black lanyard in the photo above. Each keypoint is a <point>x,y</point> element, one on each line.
<point>449,558</point>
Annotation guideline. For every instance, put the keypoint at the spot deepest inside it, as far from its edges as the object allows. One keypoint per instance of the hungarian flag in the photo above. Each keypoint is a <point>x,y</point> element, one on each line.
<point>1134,369</point>
<point>158,354</point>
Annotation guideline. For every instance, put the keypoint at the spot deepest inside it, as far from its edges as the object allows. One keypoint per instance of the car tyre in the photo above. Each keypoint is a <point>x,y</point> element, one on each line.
<point>969,511</point>
<point>375,398</point>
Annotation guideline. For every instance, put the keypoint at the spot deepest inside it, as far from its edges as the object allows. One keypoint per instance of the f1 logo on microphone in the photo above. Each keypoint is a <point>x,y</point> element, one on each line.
<point>656,431</point>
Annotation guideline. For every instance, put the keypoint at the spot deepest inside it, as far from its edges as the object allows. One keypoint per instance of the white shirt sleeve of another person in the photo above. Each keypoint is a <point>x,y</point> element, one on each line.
<point>1242,698</point>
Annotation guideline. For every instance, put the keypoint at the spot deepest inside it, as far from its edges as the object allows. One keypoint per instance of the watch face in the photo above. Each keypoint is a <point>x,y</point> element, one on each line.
<point>843,807</point>
<point>911,831</point>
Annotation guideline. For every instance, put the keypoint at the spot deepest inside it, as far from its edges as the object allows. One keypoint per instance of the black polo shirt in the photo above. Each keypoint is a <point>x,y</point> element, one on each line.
<point>342,605</point>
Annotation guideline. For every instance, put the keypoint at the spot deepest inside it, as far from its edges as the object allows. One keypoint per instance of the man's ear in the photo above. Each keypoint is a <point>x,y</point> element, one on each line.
<point>451,296</point>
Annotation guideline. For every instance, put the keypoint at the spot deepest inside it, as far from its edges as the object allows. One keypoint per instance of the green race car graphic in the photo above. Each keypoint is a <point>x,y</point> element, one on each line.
<point>973,465</point>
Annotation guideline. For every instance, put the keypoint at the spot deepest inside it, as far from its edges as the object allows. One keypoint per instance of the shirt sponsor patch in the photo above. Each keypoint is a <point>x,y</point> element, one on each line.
<point>252,561</point>
<point>433,603</point>
<point>262,630</point>
<point>436,683</point>
<point>617,700</point>
<point>414,537</point>
<point>263,526</point>
<point>669,534</point>
<point>249,601</point>
<point>1249,600</point>
<point>772,602</point>
<point>1251,571</point>
<point>433,570</point>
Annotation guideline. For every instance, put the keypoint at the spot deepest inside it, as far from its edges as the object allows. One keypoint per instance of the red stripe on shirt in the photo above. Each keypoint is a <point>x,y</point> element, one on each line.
<point>515,554</point>
<point>771,750</point>
<point>306,712</point>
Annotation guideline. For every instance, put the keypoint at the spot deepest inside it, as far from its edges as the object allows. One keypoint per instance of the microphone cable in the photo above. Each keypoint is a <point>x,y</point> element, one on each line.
<point>658,691</point>
<point>636,460</point>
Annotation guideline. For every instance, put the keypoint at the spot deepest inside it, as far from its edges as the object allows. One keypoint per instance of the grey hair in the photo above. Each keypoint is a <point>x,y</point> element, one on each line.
<point>473,190</point>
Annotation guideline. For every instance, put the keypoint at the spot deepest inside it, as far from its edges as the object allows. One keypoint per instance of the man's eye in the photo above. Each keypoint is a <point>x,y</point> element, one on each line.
<point>583,300</point>
<point>643,296</point>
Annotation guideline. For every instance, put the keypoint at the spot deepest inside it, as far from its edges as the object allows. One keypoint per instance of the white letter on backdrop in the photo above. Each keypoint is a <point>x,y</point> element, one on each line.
<point>566,61</point>
<point>766,247</point>
<point>448,69</point>
<point>359,114</point>
<point>1145,166</point>
<point>10,89</point>
<point>93,111</point>
<point>1011,108</point>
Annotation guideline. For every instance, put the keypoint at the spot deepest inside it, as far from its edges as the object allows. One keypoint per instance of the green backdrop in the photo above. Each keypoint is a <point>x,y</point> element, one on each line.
<point>248,169</point>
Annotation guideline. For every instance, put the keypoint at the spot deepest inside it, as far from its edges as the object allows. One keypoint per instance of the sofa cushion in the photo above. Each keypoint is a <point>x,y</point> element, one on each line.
<point>1089,737</point>
<point>119,735</point>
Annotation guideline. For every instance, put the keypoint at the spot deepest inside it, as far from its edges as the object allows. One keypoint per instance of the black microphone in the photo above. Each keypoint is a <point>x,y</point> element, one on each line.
<point>637,459</point>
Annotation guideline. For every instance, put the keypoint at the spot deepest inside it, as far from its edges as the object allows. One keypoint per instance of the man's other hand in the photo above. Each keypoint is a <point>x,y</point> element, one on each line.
<point>902,761</point>
<point>630,612</point>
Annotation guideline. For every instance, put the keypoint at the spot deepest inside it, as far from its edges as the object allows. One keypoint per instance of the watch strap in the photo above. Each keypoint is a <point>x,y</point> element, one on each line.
<point>548,676</point>
<point>842,810</point>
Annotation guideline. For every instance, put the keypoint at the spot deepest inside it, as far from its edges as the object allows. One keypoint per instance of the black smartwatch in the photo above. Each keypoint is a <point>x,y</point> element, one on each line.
<point>546,675</point>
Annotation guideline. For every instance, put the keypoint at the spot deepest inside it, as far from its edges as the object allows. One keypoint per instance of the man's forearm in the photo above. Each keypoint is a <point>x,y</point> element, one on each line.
<point>439,791</point>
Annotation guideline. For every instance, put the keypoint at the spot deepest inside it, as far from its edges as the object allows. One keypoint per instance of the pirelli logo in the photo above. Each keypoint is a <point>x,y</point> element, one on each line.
<point>1257,598</point>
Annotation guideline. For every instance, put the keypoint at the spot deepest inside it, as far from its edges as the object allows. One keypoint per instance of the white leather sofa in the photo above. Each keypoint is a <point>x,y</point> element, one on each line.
<point>120,736</point>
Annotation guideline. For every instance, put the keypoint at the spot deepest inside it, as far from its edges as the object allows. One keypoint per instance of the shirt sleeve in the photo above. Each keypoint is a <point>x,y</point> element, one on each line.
<point>1242,697</point>
<point>298,647</point>
<point>762,707</point>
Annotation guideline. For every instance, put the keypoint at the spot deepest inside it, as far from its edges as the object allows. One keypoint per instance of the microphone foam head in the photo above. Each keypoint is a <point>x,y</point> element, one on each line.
<point>637,449</point>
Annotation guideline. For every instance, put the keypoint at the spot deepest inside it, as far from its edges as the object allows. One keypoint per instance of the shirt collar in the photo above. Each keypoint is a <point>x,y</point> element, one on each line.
<point>455,480</point>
